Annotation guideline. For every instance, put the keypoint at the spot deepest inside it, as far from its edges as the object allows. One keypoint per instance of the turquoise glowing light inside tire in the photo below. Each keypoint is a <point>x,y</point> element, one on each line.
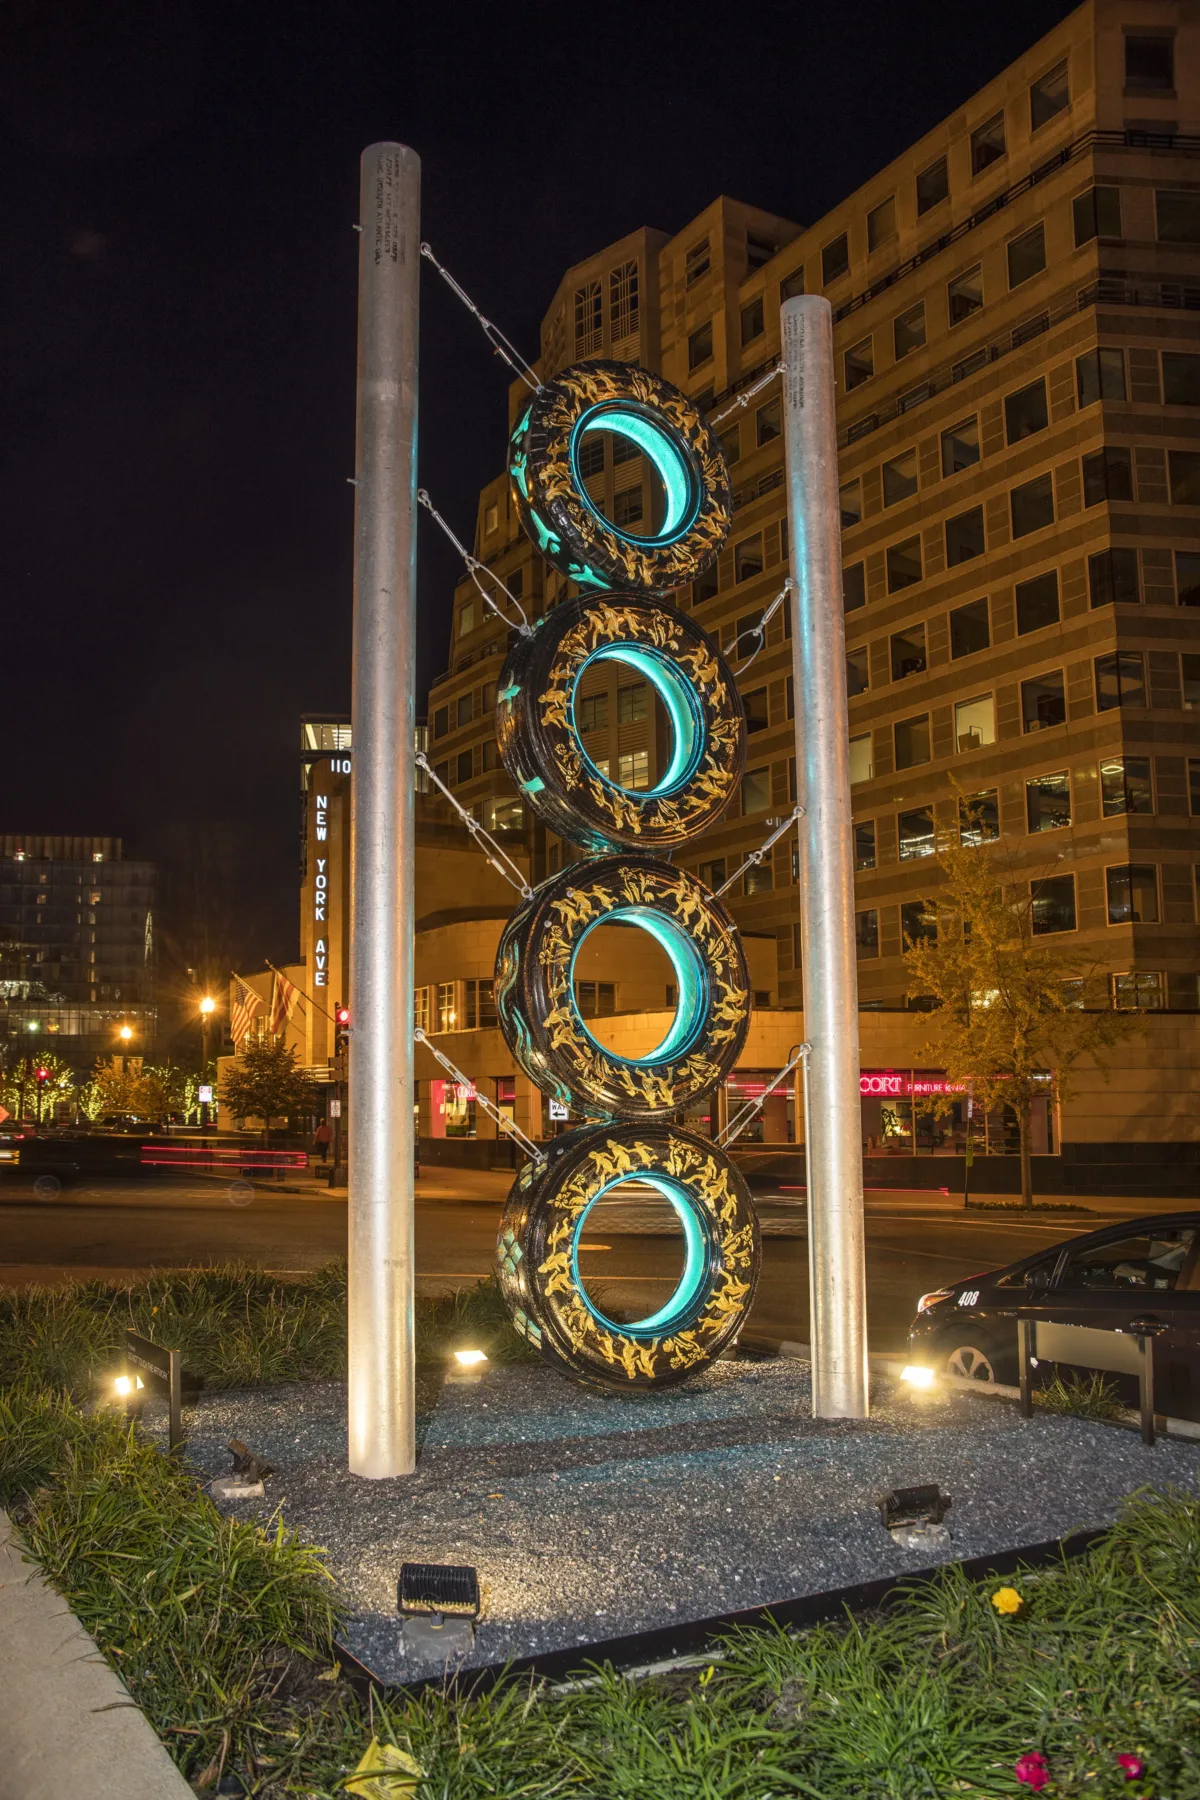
<point>673,466</point>
<point>683,710</point>
<point>691,982</point>
<point>692,1285</point>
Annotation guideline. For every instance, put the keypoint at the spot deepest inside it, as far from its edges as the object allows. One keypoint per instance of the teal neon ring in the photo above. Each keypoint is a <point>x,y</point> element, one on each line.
<point>690,979</point>
<point>683,710</point>
<point>674,468</point>
<point>692,1285</point>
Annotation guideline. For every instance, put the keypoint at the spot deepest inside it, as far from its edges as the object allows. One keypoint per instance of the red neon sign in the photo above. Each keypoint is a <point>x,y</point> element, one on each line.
<point>891,1084</point>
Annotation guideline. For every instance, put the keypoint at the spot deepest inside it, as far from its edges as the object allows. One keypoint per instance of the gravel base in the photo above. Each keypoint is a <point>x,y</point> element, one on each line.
<point>591,1517</point>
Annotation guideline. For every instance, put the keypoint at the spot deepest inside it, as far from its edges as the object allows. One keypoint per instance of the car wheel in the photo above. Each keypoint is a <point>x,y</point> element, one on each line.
<point>970,1363</point>
<point>47,1187</point>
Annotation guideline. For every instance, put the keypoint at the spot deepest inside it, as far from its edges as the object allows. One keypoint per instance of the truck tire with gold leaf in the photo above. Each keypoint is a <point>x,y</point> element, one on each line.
<point>542,958</point>
<point>557,464</point>
<point>538,1255</point>
<point>541,722</point>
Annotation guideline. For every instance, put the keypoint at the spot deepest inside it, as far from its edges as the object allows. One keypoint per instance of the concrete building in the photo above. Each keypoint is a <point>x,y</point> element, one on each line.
<point>76,946</point>
<point>1019,419</point>
<point>1016,301</point>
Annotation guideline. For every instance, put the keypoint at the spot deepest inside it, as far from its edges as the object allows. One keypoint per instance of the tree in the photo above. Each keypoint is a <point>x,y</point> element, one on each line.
<point>21,1093</point>
<point>1014,1012</point>
<point>264,1083</point>
<point>124,1084</point>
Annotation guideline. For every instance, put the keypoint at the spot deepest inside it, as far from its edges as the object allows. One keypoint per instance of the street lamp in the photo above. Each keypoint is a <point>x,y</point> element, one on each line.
<point>208,1007</point>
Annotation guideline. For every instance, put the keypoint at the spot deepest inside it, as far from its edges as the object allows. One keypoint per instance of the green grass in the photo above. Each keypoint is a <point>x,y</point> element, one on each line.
<point>224,1631</point>
<point>1083,1396</point>
<point>236,1326</point>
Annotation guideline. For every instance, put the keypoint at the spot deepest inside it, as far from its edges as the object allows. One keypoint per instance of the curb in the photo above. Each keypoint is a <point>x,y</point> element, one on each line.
<point>68,1724</point>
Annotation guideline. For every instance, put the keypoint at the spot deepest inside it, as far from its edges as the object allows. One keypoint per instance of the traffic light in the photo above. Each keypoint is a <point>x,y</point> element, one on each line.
<point>43,1075</point>
<point>341,1016</point>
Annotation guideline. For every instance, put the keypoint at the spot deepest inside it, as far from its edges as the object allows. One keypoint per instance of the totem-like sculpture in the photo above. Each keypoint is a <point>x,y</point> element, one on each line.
<point>623,616</point>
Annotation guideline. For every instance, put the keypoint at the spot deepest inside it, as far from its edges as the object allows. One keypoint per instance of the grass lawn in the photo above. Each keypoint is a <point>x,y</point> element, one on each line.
<point>224,1632</point>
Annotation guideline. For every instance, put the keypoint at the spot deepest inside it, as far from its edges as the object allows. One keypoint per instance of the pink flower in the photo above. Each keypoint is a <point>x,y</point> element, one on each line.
<point>1133,1766</point>
<point>1032,1770</point>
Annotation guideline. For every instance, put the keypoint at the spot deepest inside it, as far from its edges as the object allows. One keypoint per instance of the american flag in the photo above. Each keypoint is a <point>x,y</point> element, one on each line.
<point>241,1013</point>
<point>283,1004</point>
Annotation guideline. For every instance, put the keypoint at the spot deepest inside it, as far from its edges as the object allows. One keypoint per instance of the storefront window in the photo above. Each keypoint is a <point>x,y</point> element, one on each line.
<point>775,1120</point>
<point>916,1112</point>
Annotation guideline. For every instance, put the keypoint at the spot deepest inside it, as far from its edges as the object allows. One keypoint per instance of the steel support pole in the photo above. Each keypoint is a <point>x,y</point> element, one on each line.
<point>836,1261</point>
<point>382,1352</point>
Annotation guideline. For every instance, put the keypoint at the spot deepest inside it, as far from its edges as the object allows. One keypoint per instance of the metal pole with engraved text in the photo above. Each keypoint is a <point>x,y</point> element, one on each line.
<point>382,1355</point>
<point>836,1261</point>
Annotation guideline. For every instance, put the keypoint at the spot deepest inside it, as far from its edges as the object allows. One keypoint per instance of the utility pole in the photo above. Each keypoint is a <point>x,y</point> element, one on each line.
<point>382,1350</point>
<point>833,1152</point>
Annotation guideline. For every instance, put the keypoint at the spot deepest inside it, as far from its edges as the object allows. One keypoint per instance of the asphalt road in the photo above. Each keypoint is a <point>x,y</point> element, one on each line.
<point>113,1228</point>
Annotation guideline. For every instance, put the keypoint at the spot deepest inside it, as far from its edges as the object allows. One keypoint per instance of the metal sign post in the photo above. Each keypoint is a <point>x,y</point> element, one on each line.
<point>836,1258</point>
<point>382,1351</point>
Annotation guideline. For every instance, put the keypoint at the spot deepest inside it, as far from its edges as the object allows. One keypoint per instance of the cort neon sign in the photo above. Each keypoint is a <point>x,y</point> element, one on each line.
<point>892,1086</point>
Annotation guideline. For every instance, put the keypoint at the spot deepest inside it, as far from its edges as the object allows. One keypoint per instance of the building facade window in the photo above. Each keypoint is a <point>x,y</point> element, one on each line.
<point>1120,680</point>
<point>903,562</point>
<point>969,629</point>
<point>1178,217</point>
<point>1044,701</point>
<point>850,502</point>
<point>866,932</point>
<point>1048,802</point>
<point>756,792</point>
<point>933,186</point>
<point>862,760</point>
<point>1100,375</point>
<point>964,537</point>
<point>700,345</point>
<point>908,331</point>
<point>623,300</point>
<point>1138,991</point>
<point>1149,63</point>
<point>881,223</point>
<point>633,769</point>
<point>907,652</point>
<point>791,285</point>
<point>752,321</point>
<point>1185,477</point>
<point>964,295</point>
<point>589,319</point>
<point>857,674</point>
<point>975,722</point>
<point>768,422</point>
<point>987,144</point>
<point>960,446</point>
<point>1096,213</point>
<point>914,830</point>
<point>1113,577</point>
<point>859,363</point>
<point>1132,890</point>
<point>696,263</point>
<point>1125,786</point>
<point>1107,475</point>
<point>979,818</point>
<point>1052,904</point>
<point>1032,505</point>
<point>748,558</point>
<point>1027,255</point>
<point>1025,412</point>
<point>900,478</point>
<point>854,587</point>
<point>835,259</point>
<point>912,741</point>
<point>918,922</point>
<point>1037,602</point>
<point>1187,577</point>
<point>864,844</point>
<point>1048,96</point>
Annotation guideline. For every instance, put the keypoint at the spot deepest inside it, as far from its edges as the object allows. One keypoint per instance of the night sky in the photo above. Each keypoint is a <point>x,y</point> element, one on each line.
<point>178,185</point>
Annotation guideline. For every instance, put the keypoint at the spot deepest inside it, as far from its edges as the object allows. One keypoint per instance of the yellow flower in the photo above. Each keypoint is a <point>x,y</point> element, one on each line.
<point>1007,1600</point>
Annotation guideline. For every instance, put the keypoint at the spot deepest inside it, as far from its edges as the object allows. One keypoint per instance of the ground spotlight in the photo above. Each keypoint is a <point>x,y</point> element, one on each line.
<point>916,1376</point>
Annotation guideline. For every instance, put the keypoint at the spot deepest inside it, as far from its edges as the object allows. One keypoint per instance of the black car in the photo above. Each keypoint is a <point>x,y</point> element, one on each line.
<point>1142,1270</point>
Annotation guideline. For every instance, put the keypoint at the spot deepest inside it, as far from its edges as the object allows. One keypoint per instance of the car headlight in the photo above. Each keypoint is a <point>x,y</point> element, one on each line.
<point>931,1299</point>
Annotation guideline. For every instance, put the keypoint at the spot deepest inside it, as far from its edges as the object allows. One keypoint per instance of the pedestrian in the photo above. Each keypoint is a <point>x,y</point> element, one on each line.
<point>321,1137</point>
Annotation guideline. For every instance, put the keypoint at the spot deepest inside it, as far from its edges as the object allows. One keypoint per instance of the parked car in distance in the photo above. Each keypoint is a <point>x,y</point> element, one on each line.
<point>1141,1272</point>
